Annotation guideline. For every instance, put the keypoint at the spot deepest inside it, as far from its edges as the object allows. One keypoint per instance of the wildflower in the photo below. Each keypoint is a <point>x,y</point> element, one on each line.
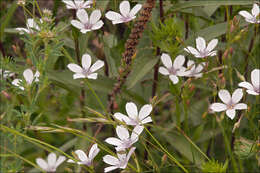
<point>52,162</point>
<point>202,51</point>
<point>21,2</point>
<point>86,24</point>
<point>253,88</point>
<point>86,71</point>
<point>84,159</point>
<point>29,78</point>
<point>125,141</point>
<point>126,14</point>
<point>134,118</point>
<point>173,70</point>
<point>195,71</point>
<point>31,27</point>
<point>230,103</point>
<point>77,4</point>
<point>120,161</point>
<point>251,18</point>
<point>6,73</point>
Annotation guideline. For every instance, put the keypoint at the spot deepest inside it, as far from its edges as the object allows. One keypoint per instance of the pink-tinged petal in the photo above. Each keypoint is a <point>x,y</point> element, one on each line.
<point>79,2</point>
<point>93,151</point>
<point>84,31</point>
<point>87,4</point>
<point>131,110</point>
<point>240,106</point>
<point>95,16</point>
<point>199,75</point>
<point>246,15</point>
<point>213,53</point>
<point>52,159</point>
<point>231,113</point>
<point>111,15</point>
<point>122,132</point>
<point>179,61</point>
<point>92,76</point>
<point>190,63</point>
<point>42,163</point>
<point>28,76</point>
<point>110,168</point>
<point>191,50</point>
<point>60,160</point>
<point>69,4</point>
<point>255,10</point>
<point>124,8</point>
<point>111,160</point>
<point>122,117</point>
<point>174,79</point>
<point>36,76</point>
<point>212,44</point>
<point>86,61</point>
<point>200,44</point>
<point>164,71</point>
<point>199,68</point>
<point>75,68</point>
<point>246,85</point>
<point>135,10</point>
<point>78,76</point>
<point>237,95</point>
<point>81,155</point>
<point>113,141</point>
<point>97,25</point>
<point>77,24</point>
<point>82,16</point>
<point>117,21</point>
<point>255,78</point>
<point>136,132</point>
<point>17,82</point>
<point>71,161</point>
<point>218,107</point>
<point>225,96</point>
<point>130,153</point>
<point>22,30</point>
<point>183,72</point>
<point>146,120</point>
<point>166,60</point>
<point>145,111</point>
<point>97,65</point>
<point>252,92</point>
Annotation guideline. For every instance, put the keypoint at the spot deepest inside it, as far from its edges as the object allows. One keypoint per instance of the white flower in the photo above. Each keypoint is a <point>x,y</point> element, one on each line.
<point>194,71</point>
<point>52,162</point>
<point>29,78</point>
<point>6,73</point>
<point>119,162</point>
<point>253,88</point>
<point>86,71</point>
<point>173,70</point>
<point>77,4</point>
<point>202,51</point>
<point>86,24</point>
<point>31,26</point>
<point>126,14</point>
<point>125,141</point>
<point>134,118</point>
<point>230,103</point>
<point>84,159</point>
<point>251,18</point>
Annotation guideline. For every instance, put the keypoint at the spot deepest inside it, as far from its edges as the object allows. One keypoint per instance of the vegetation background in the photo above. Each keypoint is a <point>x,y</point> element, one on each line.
<point>61,114</point>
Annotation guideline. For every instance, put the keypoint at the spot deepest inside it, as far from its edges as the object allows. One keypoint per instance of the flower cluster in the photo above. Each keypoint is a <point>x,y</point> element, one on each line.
<point>29,78</point>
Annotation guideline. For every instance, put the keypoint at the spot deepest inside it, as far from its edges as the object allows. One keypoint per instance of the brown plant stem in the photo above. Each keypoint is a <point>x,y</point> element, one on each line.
<point>130,50</point>
<point>2,49</point>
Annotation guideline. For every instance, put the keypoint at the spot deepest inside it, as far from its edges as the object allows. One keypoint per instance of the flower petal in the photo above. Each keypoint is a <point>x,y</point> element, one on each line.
<point>113,141</point>
<point>212,44</point>
<point>166,60</point>
<point>218,107</point>
<point>240,106</point>
<point>75,68</point>
<point>111,15</point>
<point>191,50</point>
<point>122,117</point>
<point>60,160</point>
<point>246,85</point>
<point>78,75</point>
<point>97,65</point>
<point>131,110</point>
<point>124,8</point>
<point>136,132</point>
<point>237,95</point>
<point>145,111</point>
<point>69,4</point>
<point>200,44</point>
<point>135,10</point>
<point>92,76</point>
<point>97,25</point>
<point>110,168</point>
<point>51,159</point>
<point>164,71</point>
<point>255,78</point>
<point>42,163</point>
<point>130,153</point>
<point>231,113</point>
<point>255,10</point>
<point>225,96</point>
<point>16,82</point>
<point>246,15</point>
<point>252,92</point>
<point>111,160</point>
<point>82,16</point>
<point>95,16</point>
<point>146,120</point>
<point>81,155</point>
<point>122,132</point>
<point>174,79</point>
<point>94,150</point>
<point>86,61</point>
<point>77,24</point>
<point>28,76</point>
<point>179,61</point>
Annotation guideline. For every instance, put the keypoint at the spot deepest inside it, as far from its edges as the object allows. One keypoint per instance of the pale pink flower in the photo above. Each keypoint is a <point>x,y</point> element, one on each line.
<point>77,4</point>
<point>251,18</point>
<point>254,88</point>
<point>52,162</point>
